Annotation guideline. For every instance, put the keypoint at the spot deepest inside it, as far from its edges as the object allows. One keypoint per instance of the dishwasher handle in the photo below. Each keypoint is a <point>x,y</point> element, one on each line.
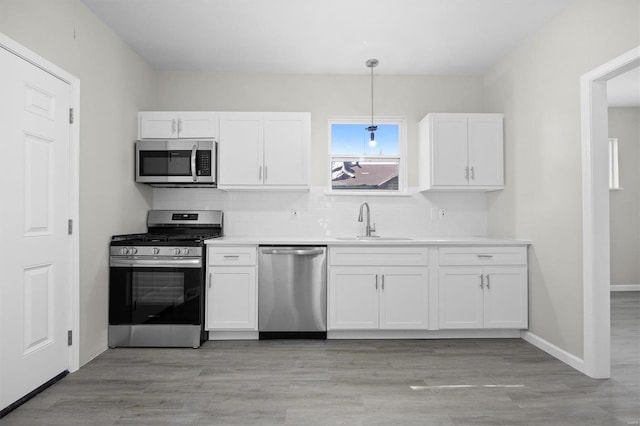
<point>293,251</point>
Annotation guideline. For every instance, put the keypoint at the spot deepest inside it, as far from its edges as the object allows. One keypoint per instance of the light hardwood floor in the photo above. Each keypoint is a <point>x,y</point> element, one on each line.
<point>421,382</point>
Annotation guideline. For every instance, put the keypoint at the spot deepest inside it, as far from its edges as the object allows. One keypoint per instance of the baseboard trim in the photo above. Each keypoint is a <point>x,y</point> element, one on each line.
<point>625,287</point>
<point>425,334</point>
<point>560,354</point>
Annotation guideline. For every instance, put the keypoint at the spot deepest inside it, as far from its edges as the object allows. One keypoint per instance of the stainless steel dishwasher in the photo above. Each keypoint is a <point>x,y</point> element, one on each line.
<point>292,292</point>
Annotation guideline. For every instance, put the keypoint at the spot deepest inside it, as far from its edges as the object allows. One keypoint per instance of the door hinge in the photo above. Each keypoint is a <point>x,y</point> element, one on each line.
<point>70,115</point>
<point>70,225</point>
<point>69,337</point>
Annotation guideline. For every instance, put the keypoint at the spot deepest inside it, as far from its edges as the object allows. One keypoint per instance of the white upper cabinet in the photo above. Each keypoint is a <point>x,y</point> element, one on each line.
<point>264,150</point>
<point>177,125</point>
<point>461,152</point>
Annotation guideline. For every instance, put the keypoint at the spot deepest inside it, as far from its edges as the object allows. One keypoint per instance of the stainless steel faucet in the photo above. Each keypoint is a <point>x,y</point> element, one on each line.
<point>369,229</point>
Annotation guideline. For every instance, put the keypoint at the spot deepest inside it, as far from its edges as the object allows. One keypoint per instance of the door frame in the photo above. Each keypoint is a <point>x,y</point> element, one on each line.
<point>595,212</point>
<point>74,187</point>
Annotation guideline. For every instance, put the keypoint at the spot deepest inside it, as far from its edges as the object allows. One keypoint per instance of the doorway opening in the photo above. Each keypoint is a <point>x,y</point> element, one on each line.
<point>595,216</point>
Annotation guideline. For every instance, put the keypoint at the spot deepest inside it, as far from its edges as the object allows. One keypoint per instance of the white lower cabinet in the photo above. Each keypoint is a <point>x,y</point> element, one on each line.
<point>362,297</point>
<point>232,289</point>
<point>491,297</point>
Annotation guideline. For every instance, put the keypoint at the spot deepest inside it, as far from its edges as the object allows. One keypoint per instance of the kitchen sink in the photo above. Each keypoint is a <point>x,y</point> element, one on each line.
<point>364,238</point>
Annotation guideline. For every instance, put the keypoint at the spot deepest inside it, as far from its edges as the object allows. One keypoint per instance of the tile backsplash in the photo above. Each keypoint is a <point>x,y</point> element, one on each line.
<point>317,214</point>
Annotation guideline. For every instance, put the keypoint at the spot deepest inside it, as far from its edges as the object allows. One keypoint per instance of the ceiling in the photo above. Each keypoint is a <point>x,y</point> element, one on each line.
<point>409,37</point>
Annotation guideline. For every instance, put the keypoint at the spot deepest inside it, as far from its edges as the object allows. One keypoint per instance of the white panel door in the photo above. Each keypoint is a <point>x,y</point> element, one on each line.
<point>241,148</point>
<point>460,297</point>
<point>404,298</point>
<point>505,297</point>
<point>353,298</point>
<point>449,150</point>
<point>34,283</point>
<point>231,298</point>
<point>485,150</point>
<point>286,142</point>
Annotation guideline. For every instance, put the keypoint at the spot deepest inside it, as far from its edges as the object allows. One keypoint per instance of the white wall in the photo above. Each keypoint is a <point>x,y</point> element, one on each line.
<point>537,88</point>
<point>328,95</point>
<point>114,83</point>
<point>269,214</point>
<point>624,207</point>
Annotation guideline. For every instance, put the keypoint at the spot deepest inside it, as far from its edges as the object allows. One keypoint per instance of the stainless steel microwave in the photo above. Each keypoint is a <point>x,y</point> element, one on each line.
<point>177,161</point>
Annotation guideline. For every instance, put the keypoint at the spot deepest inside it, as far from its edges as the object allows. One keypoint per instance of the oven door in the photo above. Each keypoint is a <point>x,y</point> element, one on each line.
<point>155,295</point>
<point>176,161</point>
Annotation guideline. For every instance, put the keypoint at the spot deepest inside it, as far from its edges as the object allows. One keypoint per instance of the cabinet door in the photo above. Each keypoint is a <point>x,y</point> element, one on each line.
<point>505,297</point>
<point>286,145</point>
<point>198,125</point>
<point>404,297</point>
<point>485,150</point>
<point>449,150</point>
<point>157,125</point>
<point>353,298</point>
<point>460,298</point>
<point>241,148</point>
<point>231,298</point>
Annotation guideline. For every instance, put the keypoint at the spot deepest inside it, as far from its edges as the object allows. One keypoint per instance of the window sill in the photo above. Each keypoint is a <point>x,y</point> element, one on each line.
<point>331,193</point>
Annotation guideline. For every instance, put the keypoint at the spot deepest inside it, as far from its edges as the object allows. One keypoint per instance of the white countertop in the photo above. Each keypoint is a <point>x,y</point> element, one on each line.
<point>333,241</point>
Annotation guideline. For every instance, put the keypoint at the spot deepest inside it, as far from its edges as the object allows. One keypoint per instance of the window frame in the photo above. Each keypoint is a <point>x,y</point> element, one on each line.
<point>614,165</point>
<point>401,122</point>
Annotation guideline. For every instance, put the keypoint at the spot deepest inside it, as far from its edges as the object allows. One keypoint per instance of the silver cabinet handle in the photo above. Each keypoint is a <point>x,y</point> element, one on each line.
<point>179,125</point>
<point>173,125</point>
<point>466,173</point>
<point>209,280</point>
<point>231,256</point>
<point>265,174</point>
<point>488,282</point>
<point>481,281</point>
<point>485,256</point>
<point>194,175</point>
<point>473,173</point>
<point>376,281</point>
<point>382,281</point>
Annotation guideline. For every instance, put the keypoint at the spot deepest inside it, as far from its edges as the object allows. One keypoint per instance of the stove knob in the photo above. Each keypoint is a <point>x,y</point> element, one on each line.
<point>176,251</point>
<point>134,250</point>
<point>156,251</point>
<point>125,250</point>
<point>185,251</point>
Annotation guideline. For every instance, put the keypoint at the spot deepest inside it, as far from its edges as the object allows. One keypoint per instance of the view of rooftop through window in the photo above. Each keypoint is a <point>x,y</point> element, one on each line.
<point>357,163</point>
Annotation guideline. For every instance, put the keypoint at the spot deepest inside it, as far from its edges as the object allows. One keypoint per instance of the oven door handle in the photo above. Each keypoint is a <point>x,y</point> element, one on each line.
<point>194,150</point>
<point>155,263</point>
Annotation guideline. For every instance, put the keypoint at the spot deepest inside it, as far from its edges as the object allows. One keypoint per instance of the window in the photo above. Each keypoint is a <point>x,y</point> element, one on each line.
<point>614,179</point>
<point>357,164</point>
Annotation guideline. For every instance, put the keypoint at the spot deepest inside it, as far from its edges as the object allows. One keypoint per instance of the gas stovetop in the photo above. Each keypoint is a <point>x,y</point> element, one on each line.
<point>175,228</point>
<point>154,238</point>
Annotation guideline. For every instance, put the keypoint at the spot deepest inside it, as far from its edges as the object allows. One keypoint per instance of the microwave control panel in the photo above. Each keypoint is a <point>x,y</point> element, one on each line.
<point>203,163</point>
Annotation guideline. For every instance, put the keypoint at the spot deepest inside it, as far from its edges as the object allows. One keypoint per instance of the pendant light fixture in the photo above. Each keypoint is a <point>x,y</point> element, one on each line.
<point>371,64</point>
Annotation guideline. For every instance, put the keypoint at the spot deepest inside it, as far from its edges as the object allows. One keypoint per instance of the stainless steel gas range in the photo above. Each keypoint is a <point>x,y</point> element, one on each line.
<point>156,280</point>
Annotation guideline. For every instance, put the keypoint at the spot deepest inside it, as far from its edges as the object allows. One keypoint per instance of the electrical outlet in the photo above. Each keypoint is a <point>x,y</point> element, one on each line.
<point>434,214</point>
<point>437,214</point>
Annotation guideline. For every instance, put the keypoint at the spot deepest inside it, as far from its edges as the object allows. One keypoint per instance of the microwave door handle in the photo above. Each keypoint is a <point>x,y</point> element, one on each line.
<point>193,163</point>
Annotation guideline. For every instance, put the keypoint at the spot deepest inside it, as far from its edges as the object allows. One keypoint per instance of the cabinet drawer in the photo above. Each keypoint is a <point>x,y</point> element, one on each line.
<point>378,256</point>
<point>473,256</point>
<point>229,256</point>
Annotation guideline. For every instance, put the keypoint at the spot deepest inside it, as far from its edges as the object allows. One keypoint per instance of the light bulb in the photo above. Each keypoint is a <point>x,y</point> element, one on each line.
<point>372,141</point>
